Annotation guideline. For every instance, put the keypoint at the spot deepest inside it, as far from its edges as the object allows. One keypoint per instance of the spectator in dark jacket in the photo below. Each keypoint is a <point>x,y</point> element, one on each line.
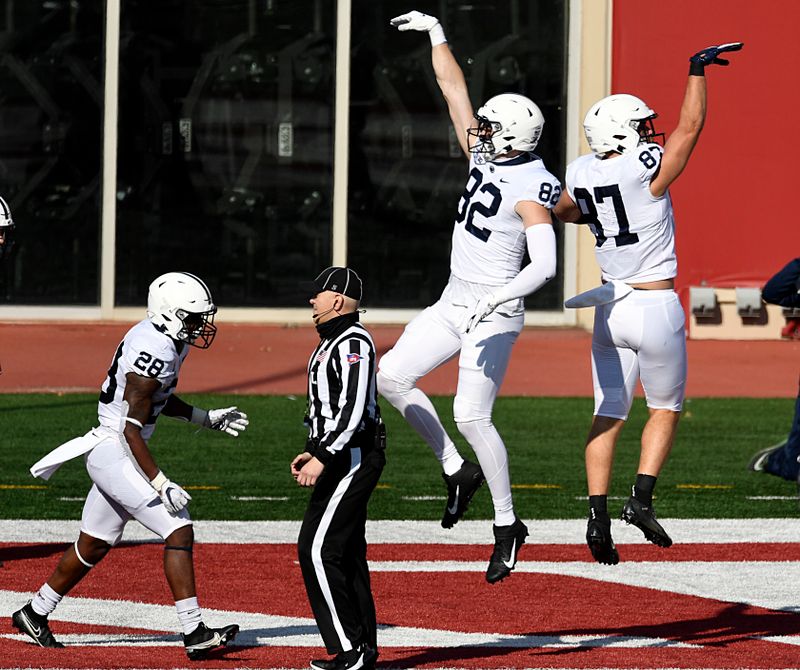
<point>781,459</point>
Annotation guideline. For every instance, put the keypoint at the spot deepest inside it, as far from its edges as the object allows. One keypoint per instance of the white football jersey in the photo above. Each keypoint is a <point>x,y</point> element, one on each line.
<point>488,237</point>
<point>634,230</point>
<point>148,352</point>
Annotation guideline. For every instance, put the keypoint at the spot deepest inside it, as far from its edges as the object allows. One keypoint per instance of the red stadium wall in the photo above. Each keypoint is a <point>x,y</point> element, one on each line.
<point>734,206</point>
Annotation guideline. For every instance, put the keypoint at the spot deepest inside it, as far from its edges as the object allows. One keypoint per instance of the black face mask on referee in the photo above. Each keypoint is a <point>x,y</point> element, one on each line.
<point>343,460</point>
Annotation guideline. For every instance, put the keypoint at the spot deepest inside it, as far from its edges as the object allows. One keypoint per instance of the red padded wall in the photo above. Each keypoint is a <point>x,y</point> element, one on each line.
<point>734,203</point>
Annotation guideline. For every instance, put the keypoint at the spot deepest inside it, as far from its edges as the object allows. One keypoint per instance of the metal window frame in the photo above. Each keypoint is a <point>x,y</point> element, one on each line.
<point>108,311</point>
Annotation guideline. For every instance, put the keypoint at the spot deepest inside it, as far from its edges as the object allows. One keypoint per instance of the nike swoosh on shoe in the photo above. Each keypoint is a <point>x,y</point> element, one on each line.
<point>510,563</point>
<point>454,508</point>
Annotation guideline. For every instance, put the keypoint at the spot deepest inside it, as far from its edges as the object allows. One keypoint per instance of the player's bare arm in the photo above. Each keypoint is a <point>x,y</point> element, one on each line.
<point>532,213</point>
<point>566,209</point>
<point>448,73</point>
<point>139,392</point>
<point>451,81</point>
<point>683,139</point>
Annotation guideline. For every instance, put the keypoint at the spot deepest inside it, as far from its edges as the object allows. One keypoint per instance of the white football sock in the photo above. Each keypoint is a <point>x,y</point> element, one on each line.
<point>45,600</point>
<point>189,614</point>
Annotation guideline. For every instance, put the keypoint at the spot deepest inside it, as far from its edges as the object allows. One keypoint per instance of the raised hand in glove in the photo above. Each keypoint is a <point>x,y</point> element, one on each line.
<point>484,307</point>
<point>172,495</point>
<point>415,20</point>
<point>229,420</point>
<point>710,56</point>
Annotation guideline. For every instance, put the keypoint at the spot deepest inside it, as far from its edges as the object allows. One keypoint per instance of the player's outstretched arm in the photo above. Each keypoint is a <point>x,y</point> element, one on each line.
<point>683,139</point>
<point>448,73</point>
<point>229,420</point>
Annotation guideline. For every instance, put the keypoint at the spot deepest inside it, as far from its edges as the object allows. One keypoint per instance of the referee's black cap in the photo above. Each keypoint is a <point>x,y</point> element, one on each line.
<point>339,280</point>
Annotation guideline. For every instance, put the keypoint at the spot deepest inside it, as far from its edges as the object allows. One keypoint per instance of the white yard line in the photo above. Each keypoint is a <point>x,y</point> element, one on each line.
<point>553,531</point>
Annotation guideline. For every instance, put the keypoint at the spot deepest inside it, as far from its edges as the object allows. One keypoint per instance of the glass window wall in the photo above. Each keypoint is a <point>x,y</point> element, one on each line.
<point>406,169</point>
<point>225,165</point>
<point>51,99</point>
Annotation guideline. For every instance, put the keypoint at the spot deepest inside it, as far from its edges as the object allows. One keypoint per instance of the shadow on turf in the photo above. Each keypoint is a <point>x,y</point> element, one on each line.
<point>733,623</point>
<point>32,551</point>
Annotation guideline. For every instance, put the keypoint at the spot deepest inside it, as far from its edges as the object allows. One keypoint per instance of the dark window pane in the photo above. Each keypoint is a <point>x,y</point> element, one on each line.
<point>51,98</point>
<point>226,146</point>
<point>407,171</point>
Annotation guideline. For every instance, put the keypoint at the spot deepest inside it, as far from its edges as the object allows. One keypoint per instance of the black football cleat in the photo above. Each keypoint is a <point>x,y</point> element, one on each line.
<point>644,519</point>
<point>598,537</point>
<point>362,657</point>
<point>35,626</point>
<point>507,541</point>
<point>461,486</point>
<point>203,639</point>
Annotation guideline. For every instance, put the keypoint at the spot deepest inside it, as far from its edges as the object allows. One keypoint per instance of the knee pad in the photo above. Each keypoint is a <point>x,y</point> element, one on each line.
<point>465,411</point>
<point>390,385</point>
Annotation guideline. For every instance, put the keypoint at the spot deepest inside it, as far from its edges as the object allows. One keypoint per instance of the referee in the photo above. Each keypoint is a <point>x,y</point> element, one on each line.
<point>343,461</point>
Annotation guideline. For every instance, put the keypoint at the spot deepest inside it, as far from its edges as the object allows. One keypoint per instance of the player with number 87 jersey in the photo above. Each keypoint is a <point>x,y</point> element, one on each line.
<point>621,191</point>
<point>505,208</point>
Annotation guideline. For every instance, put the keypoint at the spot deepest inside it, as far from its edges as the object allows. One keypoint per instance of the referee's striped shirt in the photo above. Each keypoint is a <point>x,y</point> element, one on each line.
<point>342,394</point>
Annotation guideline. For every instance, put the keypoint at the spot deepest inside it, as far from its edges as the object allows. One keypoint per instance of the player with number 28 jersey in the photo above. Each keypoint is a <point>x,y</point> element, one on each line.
<point>146,352</point>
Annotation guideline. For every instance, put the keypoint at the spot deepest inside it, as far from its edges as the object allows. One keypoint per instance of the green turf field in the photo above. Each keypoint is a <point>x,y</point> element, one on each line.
<point>706,476</point>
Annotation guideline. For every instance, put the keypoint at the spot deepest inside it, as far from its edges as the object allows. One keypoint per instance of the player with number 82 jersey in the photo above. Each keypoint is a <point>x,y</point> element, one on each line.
<point>488,237</point>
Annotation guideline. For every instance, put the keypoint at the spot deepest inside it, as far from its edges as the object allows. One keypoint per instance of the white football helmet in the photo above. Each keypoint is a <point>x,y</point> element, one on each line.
<point>506,122</point>
<point>619,123</point>
<point>6,229</point>
<point>180,305</point>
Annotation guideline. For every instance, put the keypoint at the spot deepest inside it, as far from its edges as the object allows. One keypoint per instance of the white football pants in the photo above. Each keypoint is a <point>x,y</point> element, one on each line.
<point>642,336</point>
<point>121,493</point>
<point>436,336</point>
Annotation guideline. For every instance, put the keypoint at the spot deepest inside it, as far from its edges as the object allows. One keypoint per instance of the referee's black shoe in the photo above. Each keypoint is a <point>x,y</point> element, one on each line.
<point>644,518</point>
<point>461,486</point>
<point>363,656</point>
<point>507,541</point>
<point>35,627</point>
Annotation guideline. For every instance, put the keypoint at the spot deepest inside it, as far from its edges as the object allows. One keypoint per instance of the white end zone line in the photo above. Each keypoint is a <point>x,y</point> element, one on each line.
<point>551,531</point>
<point>282,631</point>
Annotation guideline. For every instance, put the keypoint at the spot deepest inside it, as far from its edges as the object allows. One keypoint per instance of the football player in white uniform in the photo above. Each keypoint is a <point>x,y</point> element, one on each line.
<point>505,208</point>
<point>127,483</point>
<point>621,191</point>
<point>6,230</point>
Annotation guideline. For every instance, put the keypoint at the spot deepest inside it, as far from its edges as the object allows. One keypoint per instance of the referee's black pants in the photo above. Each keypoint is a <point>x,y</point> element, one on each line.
<point>332,549</point>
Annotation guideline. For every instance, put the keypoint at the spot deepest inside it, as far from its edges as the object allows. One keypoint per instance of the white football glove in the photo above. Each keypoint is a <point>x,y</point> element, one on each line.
<point>230,420</point>
<point>484,307</point>
<point>172,495</point>
<point>415,20</point>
